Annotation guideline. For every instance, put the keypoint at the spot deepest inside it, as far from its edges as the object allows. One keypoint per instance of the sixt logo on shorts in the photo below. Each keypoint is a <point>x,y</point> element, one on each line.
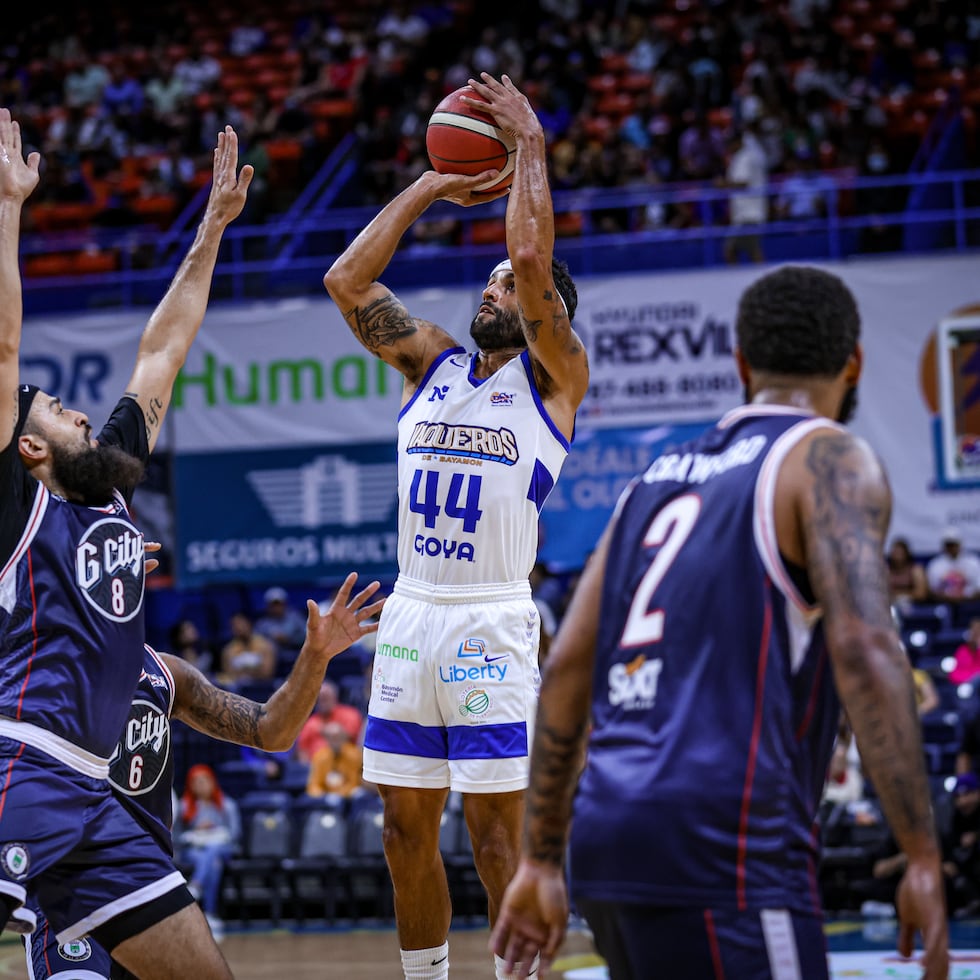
<point>502,398</point>
<point>109,568</point>
<point>473,702</point>
<point>499,445</point>
<point>75,951</point>
<point>634,685</point>
<point>16,860</point>
<point>397,652</point>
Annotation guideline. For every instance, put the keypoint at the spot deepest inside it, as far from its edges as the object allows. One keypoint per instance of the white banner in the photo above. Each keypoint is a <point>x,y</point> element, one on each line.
<point>290,373</point>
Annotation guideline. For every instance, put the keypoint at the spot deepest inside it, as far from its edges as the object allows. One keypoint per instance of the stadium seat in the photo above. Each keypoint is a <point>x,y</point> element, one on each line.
<point>255,880</point>
<point>319,872</point>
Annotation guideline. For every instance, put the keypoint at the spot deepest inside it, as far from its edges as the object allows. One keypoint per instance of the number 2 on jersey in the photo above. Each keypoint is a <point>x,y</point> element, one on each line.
<point>427,504</point>
<point>668,531</point>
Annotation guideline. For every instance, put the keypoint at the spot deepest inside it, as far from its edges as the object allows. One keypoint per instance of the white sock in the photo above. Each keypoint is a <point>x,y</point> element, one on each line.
<point>502,974</point>
<point>426,964</point>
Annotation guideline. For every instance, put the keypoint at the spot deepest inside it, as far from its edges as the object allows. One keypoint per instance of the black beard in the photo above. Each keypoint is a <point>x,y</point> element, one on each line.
<point>848,406</point>
<point>503,332</point>
<point>89,475</point>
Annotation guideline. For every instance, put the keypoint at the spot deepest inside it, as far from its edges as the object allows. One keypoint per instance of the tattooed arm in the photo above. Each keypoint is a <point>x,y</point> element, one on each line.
<point>375,315</point>
<point>842,502</point>
<point>273,726</point>
<point>555,347</point>
<point>173,326</point>
<point>534,911</point>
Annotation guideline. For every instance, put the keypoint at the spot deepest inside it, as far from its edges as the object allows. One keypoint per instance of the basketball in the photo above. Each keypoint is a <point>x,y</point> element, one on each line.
<point>463,140</point>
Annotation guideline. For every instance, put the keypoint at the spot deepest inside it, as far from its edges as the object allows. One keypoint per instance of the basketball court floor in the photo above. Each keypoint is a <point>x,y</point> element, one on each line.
<point>859,949</point>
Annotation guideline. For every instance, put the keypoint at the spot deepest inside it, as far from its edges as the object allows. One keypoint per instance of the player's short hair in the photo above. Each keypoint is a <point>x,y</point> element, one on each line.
<point>565,285</point>
<point>799,321</point>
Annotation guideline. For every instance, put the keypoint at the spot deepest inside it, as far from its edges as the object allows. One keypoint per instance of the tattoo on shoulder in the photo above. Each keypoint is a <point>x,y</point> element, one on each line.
<point>381,323</point>
<point>847,531</point>
<point>223,714</point>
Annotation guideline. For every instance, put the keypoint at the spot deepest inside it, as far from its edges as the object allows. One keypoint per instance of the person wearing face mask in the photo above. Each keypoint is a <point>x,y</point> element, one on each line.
<point>881,202</point>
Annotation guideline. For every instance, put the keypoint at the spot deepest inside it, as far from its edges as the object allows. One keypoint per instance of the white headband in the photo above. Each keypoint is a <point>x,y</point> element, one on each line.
<point>505,266</point>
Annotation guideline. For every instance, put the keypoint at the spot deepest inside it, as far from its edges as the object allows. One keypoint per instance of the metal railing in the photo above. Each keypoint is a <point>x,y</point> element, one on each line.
<point>601,231</point>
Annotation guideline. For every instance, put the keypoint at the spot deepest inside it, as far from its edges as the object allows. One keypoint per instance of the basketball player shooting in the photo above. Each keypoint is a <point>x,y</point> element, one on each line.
<point>737,599</point>
<point>71,617</point>
<point>481,440</point>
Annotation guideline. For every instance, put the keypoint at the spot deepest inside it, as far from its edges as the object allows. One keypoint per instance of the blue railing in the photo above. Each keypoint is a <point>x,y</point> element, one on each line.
<point>601,231</point>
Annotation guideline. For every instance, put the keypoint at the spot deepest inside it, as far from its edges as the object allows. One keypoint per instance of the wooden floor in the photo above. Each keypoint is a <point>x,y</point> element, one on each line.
<point>354,955</point>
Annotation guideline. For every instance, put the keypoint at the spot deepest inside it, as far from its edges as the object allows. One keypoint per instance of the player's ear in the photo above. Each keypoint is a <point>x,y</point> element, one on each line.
<point>852,369</point>
<point>32,448</point>
<point>743,367</point>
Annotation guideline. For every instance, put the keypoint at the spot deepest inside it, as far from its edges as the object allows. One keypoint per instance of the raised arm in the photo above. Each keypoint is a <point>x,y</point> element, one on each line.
<point>173,326</point>
<point>551,340</point>
<point>534,912</point>
<point>373,312</point>
<point>843,505</point>
<point>273,726</point>
<point>17,180</point>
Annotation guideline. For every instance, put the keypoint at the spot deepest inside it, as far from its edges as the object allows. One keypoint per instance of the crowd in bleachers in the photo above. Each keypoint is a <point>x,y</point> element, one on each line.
<point>124,107</point>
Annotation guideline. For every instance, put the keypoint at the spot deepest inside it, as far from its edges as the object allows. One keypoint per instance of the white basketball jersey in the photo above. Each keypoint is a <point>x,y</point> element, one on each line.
<point>476,462</point>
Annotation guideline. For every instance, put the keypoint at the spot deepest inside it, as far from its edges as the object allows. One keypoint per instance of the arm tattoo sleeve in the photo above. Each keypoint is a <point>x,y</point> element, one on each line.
<point>381,323</point>
<point>558,759</point>
<point>849,525</point>
<point>222,714</point>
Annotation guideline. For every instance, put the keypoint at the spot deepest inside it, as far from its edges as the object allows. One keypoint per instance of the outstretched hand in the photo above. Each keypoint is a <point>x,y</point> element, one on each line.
<point>507,104</point>
<point>17,177</point>
<point>346,622</point>
<point>229,188</point>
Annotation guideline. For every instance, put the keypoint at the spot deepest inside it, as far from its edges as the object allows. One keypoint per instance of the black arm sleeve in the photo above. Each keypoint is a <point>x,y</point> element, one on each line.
<point>126,429</point>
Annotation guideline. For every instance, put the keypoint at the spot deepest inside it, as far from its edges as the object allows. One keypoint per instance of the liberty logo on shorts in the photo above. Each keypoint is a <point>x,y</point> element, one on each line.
<point>472,646</point>
<point>15,859</point>
<point>75,951</point>
<point>473,702</point>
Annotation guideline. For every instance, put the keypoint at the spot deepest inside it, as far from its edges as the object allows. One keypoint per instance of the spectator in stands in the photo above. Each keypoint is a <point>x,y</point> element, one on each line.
<point>329,710</point>
<point>281,623</point>
<point>967,656</point>
<point>186,643</point>
<point>805,193</point>
<point>123,94</point>
<point>953,575</point>
<point>209,833</point>
<point>164,90</point>
<point>197,71</point>
<point>845,781</point>
<point>747,171</point>
<point>961,848</point>
<point>701,150</point>
<point>926,695</point>
<point>968,756</point>
<point>906,577</point>
<point>336,766</point>
<point>247,656</point>
<point>84,82</point>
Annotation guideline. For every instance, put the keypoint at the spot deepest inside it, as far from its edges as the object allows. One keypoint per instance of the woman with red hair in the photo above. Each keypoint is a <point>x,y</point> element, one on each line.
<point>211,829</point>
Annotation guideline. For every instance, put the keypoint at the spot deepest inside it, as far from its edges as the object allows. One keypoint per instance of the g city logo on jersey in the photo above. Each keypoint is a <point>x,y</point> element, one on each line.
<point>75,951</point>
<point>634,685</point>
<point>109,568</point>
<point>16,859</point>
<point>474,702</point>
<point>142,754</point>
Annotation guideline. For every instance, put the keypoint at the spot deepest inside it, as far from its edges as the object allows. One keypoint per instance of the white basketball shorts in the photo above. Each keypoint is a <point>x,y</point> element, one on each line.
<point>455,688</point>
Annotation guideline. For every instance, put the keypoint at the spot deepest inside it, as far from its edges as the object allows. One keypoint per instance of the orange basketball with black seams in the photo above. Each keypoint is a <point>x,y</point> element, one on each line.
<point>463,140</point>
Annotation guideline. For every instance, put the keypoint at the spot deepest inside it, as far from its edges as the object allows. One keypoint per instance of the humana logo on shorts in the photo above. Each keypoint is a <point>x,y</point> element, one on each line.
<point>397,652</point>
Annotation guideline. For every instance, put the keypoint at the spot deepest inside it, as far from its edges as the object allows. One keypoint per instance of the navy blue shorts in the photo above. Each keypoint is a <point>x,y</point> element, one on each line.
<point>65,835</point>
<point>641,942</point>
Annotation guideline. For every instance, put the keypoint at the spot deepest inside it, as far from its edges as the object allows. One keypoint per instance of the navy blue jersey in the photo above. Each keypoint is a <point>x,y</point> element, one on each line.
<point>71,609</point>
<point>714,709</point>
<point>141,769</point>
